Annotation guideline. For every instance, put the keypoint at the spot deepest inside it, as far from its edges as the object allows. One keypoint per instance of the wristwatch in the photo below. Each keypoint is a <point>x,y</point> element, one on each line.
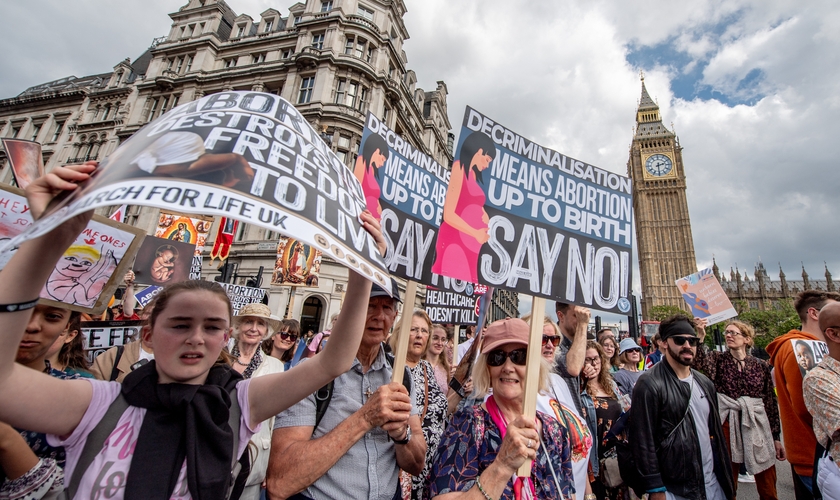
<point>407,437</point>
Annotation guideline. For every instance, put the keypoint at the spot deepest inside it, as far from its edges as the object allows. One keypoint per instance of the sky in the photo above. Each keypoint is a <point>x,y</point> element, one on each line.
<point>752,88</point>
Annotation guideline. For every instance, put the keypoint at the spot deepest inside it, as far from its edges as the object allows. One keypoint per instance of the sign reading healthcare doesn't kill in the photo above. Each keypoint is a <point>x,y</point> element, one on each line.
<point>527,218</point>
<point>250,156</point>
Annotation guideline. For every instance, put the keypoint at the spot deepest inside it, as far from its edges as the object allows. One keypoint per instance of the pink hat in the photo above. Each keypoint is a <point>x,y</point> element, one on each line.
<point>506,331</point>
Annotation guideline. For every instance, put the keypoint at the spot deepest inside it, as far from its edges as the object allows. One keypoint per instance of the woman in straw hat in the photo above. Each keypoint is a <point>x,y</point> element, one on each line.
<point>253,325</point>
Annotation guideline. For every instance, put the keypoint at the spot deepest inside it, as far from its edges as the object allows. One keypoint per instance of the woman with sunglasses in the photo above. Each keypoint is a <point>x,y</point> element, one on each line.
<point>438,357</point>
<point>744,380</point>
<point>485,444</point>
<point>630,355</point>
<point>602,405</point>
<point>283,344</point>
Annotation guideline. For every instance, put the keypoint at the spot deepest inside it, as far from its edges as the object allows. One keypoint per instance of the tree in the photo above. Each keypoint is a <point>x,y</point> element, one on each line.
<point>771,323</point>
<point>658,313</point>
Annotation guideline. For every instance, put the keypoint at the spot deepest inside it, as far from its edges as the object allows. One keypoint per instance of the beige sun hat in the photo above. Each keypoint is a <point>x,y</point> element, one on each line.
<point>260,311</point>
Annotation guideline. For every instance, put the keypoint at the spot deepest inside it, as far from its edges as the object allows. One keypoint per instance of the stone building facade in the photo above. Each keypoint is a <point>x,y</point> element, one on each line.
<point>335,60</point>
<point>663,227</point>
<point>762,293</point>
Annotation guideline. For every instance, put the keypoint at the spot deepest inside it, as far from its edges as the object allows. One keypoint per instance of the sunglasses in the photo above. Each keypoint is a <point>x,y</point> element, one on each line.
<point>681,340</point>
<point>633,350</point>
<point>498,357</point>
<point>288,336</point>
<point>554,340</point>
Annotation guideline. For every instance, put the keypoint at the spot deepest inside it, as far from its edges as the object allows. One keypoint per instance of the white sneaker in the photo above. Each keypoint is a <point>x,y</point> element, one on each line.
<point>746,478</point>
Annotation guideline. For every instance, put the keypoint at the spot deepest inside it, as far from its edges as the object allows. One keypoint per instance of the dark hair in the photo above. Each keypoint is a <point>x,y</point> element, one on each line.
<point>471,145</point>
<point>372,143</point>
<point>561,306</point>
<point>161,302</point>
<point>291,326</point>
<point>72,354</point>
<point>812,298</point>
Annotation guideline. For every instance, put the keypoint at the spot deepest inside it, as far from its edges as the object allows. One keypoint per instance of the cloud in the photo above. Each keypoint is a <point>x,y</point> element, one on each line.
<point>752,87</point>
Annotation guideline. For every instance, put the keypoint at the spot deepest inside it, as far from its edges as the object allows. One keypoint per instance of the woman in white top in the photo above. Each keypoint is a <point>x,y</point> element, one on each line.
<point>176,421</point>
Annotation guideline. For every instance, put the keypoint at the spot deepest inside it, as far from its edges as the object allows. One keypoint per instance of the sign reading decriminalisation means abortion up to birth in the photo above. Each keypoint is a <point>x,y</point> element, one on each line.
<point>249,156</point>
<point>405,189</point>
<point>527,218</point>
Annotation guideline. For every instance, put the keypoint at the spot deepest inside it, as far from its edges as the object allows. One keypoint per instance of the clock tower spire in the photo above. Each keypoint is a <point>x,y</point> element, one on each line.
<point>663,226</point>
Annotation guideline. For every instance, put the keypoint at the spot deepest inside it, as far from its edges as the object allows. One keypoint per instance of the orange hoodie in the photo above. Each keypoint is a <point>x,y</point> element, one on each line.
<point>797,427</point>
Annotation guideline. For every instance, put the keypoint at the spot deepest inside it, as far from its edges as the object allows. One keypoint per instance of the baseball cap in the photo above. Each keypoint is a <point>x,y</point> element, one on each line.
<point>506,331</point>
<point>378,291</point>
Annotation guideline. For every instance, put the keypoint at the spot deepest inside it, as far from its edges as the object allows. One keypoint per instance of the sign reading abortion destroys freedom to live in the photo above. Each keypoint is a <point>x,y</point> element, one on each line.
<point>246,155</point>
<point>558,227</point>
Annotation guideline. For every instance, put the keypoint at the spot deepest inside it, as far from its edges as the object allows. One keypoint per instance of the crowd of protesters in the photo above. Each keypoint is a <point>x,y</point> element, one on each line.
<point>205,404</point>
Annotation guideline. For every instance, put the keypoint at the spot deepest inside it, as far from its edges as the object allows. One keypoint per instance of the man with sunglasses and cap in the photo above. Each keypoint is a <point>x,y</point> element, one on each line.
<point>675,427</point>
<point>369,430</point>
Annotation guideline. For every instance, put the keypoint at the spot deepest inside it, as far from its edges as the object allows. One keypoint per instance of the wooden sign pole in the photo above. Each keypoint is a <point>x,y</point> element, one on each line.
<point>404,335</point>
<point>291,304</point>
<point>532,370</point>
<point>455,338</point>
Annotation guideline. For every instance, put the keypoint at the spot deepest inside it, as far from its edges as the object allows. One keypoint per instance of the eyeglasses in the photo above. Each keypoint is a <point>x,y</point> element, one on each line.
<point>734,333</point>
<point>592,361</point>
<point>555,340</point>
<point>498,357</point>
<point>288,336</point>
<point>681,340</point>
<point>415,329</point>
<point>438,340</point>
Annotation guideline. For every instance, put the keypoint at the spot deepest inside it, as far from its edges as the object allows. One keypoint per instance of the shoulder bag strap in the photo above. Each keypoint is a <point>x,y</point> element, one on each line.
<point>114,371</point>
<point>235,421</point>
<point>687,408</point>
<point>95,441</point>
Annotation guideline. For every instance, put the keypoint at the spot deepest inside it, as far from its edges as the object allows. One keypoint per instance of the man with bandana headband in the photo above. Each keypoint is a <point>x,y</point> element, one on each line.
<point>675,427</point>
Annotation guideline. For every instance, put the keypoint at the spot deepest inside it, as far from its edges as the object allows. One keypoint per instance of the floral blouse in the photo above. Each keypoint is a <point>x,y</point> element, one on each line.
<point>753,380</point>
<point>434,417</point>
<point>470,445</point>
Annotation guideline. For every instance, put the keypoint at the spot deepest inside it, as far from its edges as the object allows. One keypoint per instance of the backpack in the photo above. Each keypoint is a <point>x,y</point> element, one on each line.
<point>96,440</point>
<point>324,395</point>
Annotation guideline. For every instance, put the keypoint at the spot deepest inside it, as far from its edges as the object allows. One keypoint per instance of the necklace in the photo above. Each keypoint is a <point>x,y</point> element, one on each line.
<point>240,363</point>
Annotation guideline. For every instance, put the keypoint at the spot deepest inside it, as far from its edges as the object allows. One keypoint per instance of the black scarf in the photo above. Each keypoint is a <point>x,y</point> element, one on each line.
<point>182,421</point>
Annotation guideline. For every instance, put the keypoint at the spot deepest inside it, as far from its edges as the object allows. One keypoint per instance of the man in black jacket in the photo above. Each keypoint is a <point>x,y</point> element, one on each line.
<point>675,429</point>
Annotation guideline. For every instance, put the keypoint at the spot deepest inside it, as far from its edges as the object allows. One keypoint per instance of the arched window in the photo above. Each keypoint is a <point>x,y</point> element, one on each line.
<point>310,314</point>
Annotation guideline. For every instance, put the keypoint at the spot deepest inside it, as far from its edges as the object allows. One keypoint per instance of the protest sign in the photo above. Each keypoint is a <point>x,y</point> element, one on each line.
<point>245,155</point>
<point>241,295</point>
<point>99,336</point>
<point>809,353</point>
<point>297,264</point>
<point>26,160</point>
<point>530,219</point>
<point>184,228</point>
<point>454,302</point>
<point>405,189</point>
<point>162,261</point>
<point>144,297</point>
<point>90,270</point>
<point>706,298</point>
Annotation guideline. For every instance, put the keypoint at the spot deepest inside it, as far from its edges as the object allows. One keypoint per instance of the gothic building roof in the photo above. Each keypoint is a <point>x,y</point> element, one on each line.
<point>646,102</point>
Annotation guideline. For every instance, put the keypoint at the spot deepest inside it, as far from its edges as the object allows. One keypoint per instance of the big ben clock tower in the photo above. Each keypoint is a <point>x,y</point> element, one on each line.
<point>663,227</point>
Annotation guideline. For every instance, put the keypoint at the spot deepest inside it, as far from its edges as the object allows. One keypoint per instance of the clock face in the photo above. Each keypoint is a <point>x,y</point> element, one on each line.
<point>658,165</point>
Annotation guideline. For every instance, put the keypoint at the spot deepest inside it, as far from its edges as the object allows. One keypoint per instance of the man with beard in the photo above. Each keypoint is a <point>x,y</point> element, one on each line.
<point>675,429</point>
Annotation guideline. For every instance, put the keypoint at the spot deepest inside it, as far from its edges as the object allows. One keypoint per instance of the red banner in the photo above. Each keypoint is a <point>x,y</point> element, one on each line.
<point>224,239</point>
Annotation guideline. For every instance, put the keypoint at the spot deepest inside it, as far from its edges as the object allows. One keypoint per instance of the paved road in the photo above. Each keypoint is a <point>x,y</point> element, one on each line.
<point>784,485</point>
